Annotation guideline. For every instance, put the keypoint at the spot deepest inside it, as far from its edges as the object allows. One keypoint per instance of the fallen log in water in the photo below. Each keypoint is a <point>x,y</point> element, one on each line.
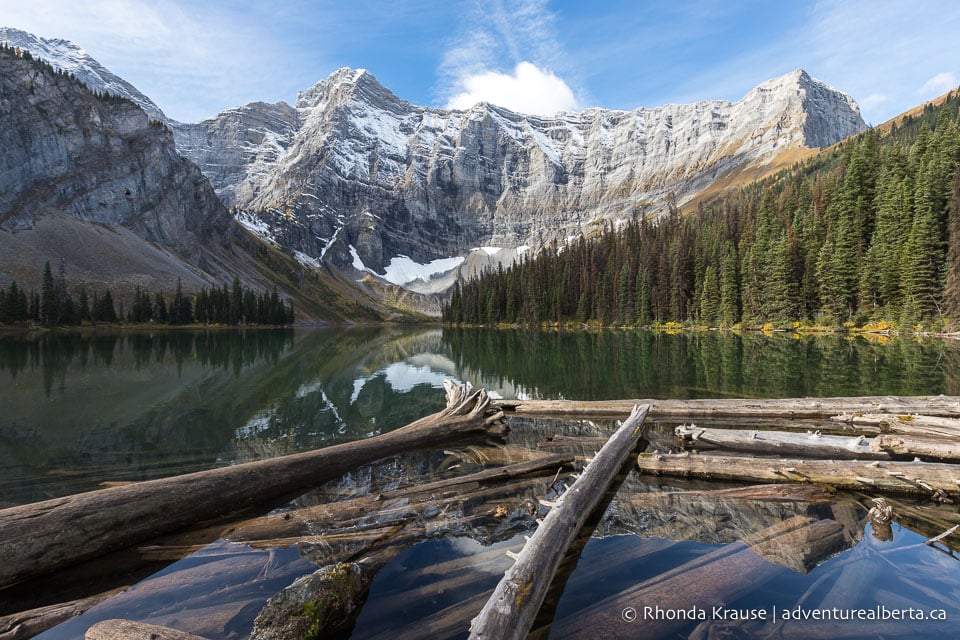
<point>813,445</point>
<point>335,592</point>
<point>911,478</point>
<point>27,624</point>
<point>41,537</point>
<point>511,610</point>
<point>712,580</point>
<point>935,448</point>
<point>365,531</point>
<point>806,408</point>
<point>932,424</point>
<point>344,513</point>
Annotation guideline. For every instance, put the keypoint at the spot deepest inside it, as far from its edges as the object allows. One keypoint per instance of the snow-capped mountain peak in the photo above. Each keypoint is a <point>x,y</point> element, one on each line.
<point>70,58</point>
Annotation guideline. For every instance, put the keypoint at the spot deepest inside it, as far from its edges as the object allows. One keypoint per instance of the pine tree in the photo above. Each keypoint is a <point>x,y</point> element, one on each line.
<point>951,295</point>
<point>48,297</point>
<point>729,287</point>
<point>710,297</point>
<point>83,305</point>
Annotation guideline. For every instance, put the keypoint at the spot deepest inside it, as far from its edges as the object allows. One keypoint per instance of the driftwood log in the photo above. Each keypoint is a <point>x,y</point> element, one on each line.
<point>347,513</point>
<point>366,531</point>
<point>42,537</point>
<point>932,423</point>
<point>797,408</point>
<point>27,624</point>
<point>812,445</point>
<point>511,610</point>
<point>909,478</point>
<point>935,448</point>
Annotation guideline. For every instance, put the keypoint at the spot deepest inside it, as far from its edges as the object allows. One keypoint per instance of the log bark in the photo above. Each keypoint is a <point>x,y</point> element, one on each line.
<point>932,424</point>
<point>342,513</point>
<point>129,630</point>
<point>812,445</point>
<point>806,408</point>
<point>26,624</point>
<point>922,446</point>
<point>42,537</point>
<point>511,610</point>
<point>909,478</point>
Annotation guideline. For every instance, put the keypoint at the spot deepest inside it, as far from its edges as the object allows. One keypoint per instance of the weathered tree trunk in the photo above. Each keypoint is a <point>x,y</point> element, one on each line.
<point>932,424</point>
<point>813,445</point>
<point>341,513</point>
<point>129,630</point>
<point>912,478</point>
<point>27,624</point>
<point>807,408</point>
<point>711,580</point>
<point>511,610</point>
<point>923,446</point>
<point>41,537</point>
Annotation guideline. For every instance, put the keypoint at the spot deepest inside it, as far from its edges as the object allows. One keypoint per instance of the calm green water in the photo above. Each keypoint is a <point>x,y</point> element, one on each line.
<point>76,411</point>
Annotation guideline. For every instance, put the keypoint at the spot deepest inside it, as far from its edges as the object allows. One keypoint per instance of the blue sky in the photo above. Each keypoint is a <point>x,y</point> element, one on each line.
<point>195,58</point>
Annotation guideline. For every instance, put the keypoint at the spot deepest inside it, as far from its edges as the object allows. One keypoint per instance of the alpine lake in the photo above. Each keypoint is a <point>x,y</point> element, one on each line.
<point>80,410</point>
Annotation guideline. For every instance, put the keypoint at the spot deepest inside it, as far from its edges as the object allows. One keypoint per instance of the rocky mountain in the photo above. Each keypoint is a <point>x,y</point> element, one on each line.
<point>69,58</point>
<point>355,176</point>
<point>76,163</point>
<point>92,180</point>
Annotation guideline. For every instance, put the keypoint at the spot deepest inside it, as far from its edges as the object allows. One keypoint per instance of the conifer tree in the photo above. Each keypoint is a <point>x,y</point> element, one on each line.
<point>48,297</point>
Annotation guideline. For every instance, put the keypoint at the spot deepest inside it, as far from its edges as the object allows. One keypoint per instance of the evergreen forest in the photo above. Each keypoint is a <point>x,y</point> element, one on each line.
<point>865,233</point>
<point>53,305</point>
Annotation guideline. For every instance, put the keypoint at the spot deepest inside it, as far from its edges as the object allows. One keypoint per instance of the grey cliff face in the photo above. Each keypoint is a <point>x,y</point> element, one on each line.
<point>361,178</point>
<point>68,57</point>
<point>65,151</point>
<point>239,145</point>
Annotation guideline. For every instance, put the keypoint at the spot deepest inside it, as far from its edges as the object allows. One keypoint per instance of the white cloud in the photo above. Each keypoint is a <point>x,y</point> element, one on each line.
<point>528,89</point>
<point>873,101</point>
<point>939,84</point>
<point>508,34</point>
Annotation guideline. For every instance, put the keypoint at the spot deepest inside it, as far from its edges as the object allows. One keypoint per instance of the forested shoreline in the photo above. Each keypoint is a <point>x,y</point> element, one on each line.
<point>53,304</point>
<point>865,234</point>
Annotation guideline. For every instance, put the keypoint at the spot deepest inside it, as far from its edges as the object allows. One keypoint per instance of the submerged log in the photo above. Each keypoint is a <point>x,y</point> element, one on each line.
<point>922,446</point>
<point>712,580</point>
<point>42,537</point>
<point>806,408</point>
<point>910,478</point>
<point>511,610</point>
<point>813,445</point>
<point>130,630</point>
<point>345,513</point>
<point>26,624</point>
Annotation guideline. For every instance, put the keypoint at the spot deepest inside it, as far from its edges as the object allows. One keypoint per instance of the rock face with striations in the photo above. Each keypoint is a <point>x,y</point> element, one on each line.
<point>354,176</point>
<point>240,145</point>
<point>68,155</point>
<point>364,179</point>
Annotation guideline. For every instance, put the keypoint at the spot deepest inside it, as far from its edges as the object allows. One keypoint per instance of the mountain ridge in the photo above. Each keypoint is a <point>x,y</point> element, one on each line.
<point>365,168</point>
<point>355,178</point>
